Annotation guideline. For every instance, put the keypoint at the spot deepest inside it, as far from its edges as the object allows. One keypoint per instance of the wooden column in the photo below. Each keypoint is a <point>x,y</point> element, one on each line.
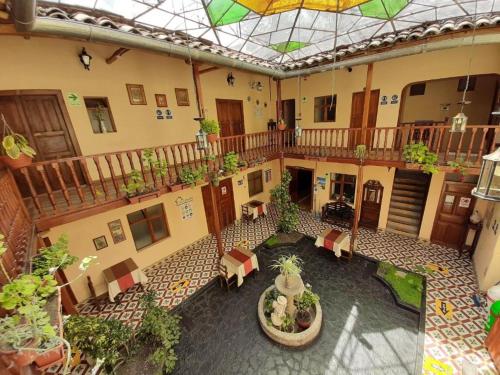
<point>359,179</point>
<point>279,110</point>
<point>199,93</point>
<point>215,210</point>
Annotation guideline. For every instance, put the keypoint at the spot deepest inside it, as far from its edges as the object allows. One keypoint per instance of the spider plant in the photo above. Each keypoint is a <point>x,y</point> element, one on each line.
<point>290,265</point>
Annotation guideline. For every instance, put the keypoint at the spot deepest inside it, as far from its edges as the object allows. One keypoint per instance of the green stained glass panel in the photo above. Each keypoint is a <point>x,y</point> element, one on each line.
<point>384,9</point>
<point>235,14</point>
<point>217,9</point>
<point>288,46</point>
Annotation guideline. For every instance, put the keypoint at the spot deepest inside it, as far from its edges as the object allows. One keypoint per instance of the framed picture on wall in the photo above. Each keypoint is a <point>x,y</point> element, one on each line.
<point>136,94</point>
<point>161,100</point>
<point>182,97</point>
<point>268,175</point>
<point>100,242</point>
<point>116,230</point>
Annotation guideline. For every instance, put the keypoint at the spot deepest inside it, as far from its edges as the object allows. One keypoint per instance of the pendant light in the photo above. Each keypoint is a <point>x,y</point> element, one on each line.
<point>459,121</point>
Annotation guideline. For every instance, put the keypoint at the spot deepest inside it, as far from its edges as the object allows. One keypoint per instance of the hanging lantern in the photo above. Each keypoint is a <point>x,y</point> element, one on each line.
<point>201,140</point>
<point>488,185</point>
<point>458,123</point>
<point>298,129</point>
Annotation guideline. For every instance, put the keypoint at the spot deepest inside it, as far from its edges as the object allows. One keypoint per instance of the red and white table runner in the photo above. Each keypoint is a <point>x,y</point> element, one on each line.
<point>240,262</point>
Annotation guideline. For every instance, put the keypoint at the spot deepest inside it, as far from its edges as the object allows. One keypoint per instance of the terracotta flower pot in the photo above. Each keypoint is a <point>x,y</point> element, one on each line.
<point>304,319</point>
<point>211,138</point>
<point>51,356</point>
<point>281,126</point>
<point>22,161</point>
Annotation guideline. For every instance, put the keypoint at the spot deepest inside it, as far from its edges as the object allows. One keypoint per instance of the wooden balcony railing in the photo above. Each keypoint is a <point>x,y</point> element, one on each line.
<point>57,187</point>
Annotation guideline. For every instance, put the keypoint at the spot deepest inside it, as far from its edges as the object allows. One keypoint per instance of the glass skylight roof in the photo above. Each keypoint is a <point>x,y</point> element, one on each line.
<point>286,30</point>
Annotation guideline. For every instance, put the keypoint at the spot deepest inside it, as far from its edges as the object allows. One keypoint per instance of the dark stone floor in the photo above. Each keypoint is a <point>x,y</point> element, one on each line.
<point>364,331</point>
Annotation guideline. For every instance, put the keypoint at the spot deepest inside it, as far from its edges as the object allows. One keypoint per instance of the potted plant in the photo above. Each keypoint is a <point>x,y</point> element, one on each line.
<point>210,159</point>
<point>418,156</point>
<point>288,211</point>
<point>53,257</point>
<point>230,163</point>
<point>360,153</point>
<point>16,149</point>
<point>192,177</point>
<point>136,190</point>
<point>242,165</point>
<point>103,341</point>
<point>460,167</point>
<point>288,267</point>
<point>212,128</point>
<point>281,124</point>
<point>156,164</point>
<point>288,324</point>
<point>161,330</point>
<point>304,305</point>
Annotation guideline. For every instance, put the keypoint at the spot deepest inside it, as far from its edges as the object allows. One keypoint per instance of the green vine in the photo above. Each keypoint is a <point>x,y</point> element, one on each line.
<point>287,210</point>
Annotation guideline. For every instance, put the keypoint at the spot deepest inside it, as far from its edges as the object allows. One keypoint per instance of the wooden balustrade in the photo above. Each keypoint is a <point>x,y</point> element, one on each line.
<point>58,186</point>
<point>17,227</point>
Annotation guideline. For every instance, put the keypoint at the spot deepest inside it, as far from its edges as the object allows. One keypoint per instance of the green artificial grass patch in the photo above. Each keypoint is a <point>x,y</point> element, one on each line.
<point>272,241</point>
<point>407,285</point>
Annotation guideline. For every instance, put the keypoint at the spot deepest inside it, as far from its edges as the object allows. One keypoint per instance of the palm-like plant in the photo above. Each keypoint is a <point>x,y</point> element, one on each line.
<point>290,265</point>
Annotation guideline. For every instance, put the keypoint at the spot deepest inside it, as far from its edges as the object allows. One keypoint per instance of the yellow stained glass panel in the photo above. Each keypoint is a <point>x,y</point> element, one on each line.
<point>278,6</point>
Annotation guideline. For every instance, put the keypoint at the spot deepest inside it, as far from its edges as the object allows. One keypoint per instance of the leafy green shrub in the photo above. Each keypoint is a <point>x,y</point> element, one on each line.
<point>307,300</point>
<point>231,162</point>
<point>162,331</point>
<point>158,165</point>
<point>26,290</point>
<point>270,297</point>
<point>419,153</point>
<point>98,338</point>
<point>210,126</point>
<point>54,257</point>
<point>287,210</point>
<point>192,176</point>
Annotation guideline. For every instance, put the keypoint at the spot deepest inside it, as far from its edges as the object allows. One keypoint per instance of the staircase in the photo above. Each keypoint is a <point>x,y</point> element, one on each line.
<point>407,203</point>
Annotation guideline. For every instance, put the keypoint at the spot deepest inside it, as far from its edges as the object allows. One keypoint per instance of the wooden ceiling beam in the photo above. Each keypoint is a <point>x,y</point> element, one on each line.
<point>116,55</point>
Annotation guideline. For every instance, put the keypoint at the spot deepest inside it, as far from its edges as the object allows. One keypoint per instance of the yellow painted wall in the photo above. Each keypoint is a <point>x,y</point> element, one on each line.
<point>487,255</point>
<point>182,232</point>
<point>444,91</point>
<point>42,63</point>
<point>390,76</point>
<point>431,205</point>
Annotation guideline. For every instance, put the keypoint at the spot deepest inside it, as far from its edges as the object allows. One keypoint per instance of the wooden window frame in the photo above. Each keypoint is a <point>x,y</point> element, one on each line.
<point>149,221</point>
<point>325,104</point>
<point>261,182</point>
<point>108,107</point>
<point>342,183</point>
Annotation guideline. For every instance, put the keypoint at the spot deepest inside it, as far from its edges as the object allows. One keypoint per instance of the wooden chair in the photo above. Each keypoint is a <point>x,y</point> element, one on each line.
<point>98,301</point>
<point>224,277</point>
<point>246,212</point>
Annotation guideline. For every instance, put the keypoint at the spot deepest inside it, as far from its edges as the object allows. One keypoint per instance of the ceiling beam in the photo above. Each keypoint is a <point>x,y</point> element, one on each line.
<point>116,55</point>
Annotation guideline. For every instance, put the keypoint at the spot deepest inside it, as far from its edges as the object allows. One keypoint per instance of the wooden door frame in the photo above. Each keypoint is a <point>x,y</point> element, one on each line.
<point>441,195</point>
<point>376,117</point>
<point>219,100</point>
<point>219,192</point>
<point>312,170</point>
<point>62,106</point>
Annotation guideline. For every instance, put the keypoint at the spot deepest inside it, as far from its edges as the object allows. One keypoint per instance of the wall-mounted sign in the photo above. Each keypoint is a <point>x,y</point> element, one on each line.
<point>383,100</point>
<point>168,114</point>
<point>223,190</point>
<point>73,99</point>
<point>464,202</point>
<point>159,114</point>
<point>186,207</point>
<point>394,99</point>
<point>321,181</point>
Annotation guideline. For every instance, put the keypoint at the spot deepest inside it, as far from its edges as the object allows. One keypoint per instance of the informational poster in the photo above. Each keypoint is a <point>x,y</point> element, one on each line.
<point>168,114</point>
<point>186,207</point>
<point>464,202</point>
<point>394,99</point>
<point>383,100</point>
<point>449,199</point>
<point>223,190</point>
<point>321,182</point>
<point>159,114</point>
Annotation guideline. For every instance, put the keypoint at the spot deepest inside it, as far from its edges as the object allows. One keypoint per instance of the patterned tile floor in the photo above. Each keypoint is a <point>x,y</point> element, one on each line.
<point>450,341</point>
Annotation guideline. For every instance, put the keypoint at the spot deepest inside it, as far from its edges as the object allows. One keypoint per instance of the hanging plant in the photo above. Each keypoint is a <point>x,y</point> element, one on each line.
<point>16,150</point>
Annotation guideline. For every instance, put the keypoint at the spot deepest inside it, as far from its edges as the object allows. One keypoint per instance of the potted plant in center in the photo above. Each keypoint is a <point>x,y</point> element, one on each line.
<point>304,305</point>
<point>17,152</point>
<point>212,128</point>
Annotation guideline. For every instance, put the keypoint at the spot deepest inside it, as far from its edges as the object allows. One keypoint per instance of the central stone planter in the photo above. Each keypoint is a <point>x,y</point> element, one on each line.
<point>294,339</point>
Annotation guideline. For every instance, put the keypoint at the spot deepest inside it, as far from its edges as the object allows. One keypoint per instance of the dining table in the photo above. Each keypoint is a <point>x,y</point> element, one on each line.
<point>123,276</point>
<point>240,262</point>
<point>256,208</point>
<point>334,240</point>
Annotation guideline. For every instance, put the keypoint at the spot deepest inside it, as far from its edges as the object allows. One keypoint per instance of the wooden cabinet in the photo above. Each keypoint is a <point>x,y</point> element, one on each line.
<point>371,203</point>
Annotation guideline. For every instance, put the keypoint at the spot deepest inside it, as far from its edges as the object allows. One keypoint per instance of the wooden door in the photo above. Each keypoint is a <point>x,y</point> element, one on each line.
<point>225,204</point>
<point>289,112</point>
<point>230,116</point>
<point>41,116</point>
<point>455,207</point>
<point>358,102</point>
